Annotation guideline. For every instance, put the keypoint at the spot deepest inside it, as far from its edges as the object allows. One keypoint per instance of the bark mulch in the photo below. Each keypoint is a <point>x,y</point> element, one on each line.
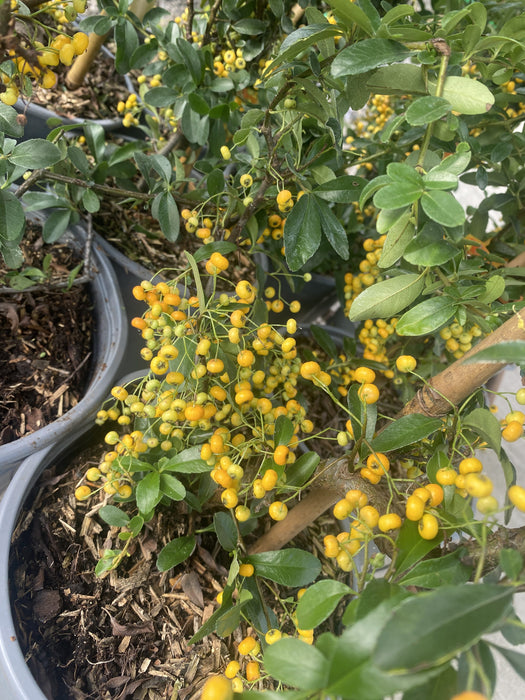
<point>46,344</point>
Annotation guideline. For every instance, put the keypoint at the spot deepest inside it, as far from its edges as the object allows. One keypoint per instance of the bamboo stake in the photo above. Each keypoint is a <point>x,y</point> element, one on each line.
<point>446,390</point>
<point>82,64</point>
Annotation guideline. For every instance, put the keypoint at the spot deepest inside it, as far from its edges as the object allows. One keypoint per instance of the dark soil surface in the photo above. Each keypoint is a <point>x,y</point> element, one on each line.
<point>122,636</point>
<point>46,345</point>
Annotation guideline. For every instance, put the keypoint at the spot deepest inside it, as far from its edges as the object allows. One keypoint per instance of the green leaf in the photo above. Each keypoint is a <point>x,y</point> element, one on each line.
<point>410,546</point>
<point>186,462</point>
<point>398,238</point>
<point>302,232</point>
<point>459,615</point>
<point>373,186</point>
<point>387,298</point>
<point>12,218</point>
<point>441,687</point>
<point>405,431</point>
<point>433,573</point>
<point>440,180</point>
<point>90,201</point>
<point>485,424</point>
<point>172,487</point>
<point>56,225</point>
<point>283,430</point>
<point>225,530</point>
<point>114,516</point>
<point>403,172</point>
<point>324,340</point>
<point>333,229</point>
<point>465,95</point>
<point>426,316</point>
<point>494,288</point>
<point>366,55</point>
<point>301,39</point>
<point>319,601</point>
<point>443,207</point>
<point>35,153</point>
<point>397,195</point>
<point>343,190</point>
<point>399,79</point>
<point>429,248</point>
<point>148,492</point>
<point>249,26</point>
<point>289,567</point>
<point>509,352</point>
<point>351,15</point>
<point>302,469</point>
<point>296,664</point>
<point>439,460</point>
<point>457,162</point>
<point>175,552</point>
<point>165,210</point>
<point>9,121</point>
<point>427,109</point>
<point>511,563</point>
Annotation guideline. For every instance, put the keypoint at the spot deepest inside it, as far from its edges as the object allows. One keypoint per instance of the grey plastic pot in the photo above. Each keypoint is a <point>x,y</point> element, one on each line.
<point>37,115</point>
<point>109,347</point>
<point>16,679</point>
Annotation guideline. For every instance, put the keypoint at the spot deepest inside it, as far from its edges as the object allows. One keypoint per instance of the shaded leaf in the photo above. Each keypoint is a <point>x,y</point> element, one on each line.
<point>368,54</point>
<point>427,316</point>
<point>175,552</point>
<point>319,601</point>
<point>289,567</point>
<point>405,431</point>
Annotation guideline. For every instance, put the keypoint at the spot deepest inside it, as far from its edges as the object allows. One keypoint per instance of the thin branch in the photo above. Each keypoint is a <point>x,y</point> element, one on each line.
<point>211,22</point>
<point>189,21</point>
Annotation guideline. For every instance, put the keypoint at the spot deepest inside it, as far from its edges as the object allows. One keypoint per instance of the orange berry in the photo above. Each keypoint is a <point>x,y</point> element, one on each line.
<point>369,393</point>
<point>280,454</point>
<point>364,375</point>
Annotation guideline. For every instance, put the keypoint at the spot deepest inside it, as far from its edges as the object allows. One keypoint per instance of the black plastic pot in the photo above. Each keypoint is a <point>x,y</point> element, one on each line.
<point>109,340</point>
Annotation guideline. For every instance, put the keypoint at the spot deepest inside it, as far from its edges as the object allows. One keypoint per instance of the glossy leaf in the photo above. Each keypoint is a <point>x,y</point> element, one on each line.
<point>398,79</point>
<point>225,530</point>
<point>429,248</point>
<point>302,469</point>
<point>319,601</point>
<point>442,207</point>
<point>175,552</point>
<point>114,516</point>
<point>35,152</point>
<point>405,431</point>
<point>8,121</point>
<point>433,573</point>
<point>289,567</point>
<point>509,352</point>
<point>460,615</point>
<point>284,429</point>
<point>186,462</point>
<point>440,180</point>
<point>351,15</point>
<point>366,55</point>
<point>332,229</point>
<point>344,189</point>
<point>148,492</point>
<point>398,238</point>
<point>387,298</point>
<point>427,316</point>
<point>296,664</point>
<point>465,95</point>
<point>12,218</point>
<point>56,225</point>
<point>399,194</point>
<point>427,109</point>
<point>172,487</point>
<point>486,425</point>
<point>302,232</point>
<point>411,548</point>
